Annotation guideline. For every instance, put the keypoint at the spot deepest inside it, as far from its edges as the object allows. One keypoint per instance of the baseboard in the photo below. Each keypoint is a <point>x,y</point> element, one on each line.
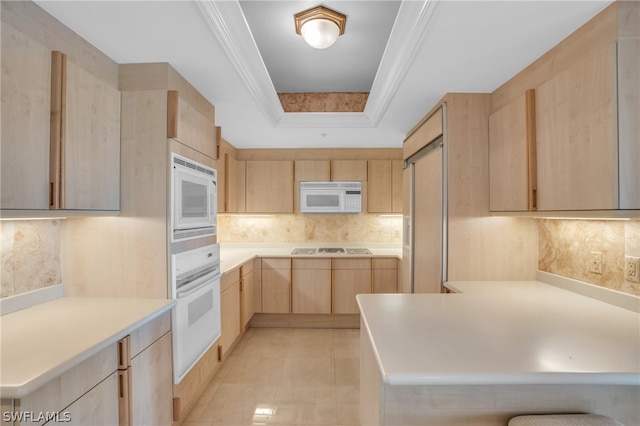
<point>305,320</point>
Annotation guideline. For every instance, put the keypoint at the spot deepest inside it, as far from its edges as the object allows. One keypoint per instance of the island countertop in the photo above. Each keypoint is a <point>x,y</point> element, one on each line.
<point>41,342</point>
<point>524,332</point>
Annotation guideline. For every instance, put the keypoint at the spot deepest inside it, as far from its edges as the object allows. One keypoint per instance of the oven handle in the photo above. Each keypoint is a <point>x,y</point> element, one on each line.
<point>197,284</point>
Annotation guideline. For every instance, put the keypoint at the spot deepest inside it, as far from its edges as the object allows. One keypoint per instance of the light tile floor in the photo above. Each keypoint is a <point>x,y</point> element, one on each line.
<point>287,377</point>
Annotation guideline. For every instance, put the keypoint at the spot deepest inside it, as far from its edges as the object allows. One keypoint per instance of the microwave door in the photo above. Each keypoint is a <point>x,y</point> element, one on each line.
<point>192,200</point>
<point>324,201</point>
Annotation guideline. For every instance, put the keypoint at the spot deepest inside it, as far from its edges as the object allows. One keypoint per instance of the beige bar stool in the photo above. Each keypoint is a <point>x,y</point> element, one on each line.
<point>563,420</point>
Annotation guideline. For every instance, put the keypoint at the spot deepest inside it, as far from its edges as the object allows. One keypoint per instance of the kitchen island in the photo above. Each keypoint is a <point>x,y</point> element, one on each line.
<point>482,357</point>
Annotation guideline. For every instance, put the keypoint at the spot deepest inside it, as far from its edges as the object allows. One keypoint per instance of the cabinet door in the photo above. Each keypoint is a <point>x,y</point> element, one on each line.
<point>512,178</point>
<point>350,278</point>
<point>309,170</point>
<point>397,190</point>
<point>247,292</point>
<point>575,137</point>
<point>276,286</point>
<point>25,109</point>
<point>191,126</point>
<point>311,286</point>
<point>91,161</point>
<point>269,187</point>
<point>236,185</point>
<point>152,384</point>
<point>385,275</point>
<point>379,186</point>
<point>352,170</point>
<point>229,313</point>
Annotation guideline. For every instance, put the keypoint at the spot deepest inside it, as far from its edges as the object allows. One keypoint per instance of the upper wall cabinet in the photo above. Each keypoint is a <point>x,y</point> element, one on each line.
<point>512,166</point>
<point>269,186</point>
<point>579,167</point>
<point>352,170</point>
<point>309,170</point>
<point>190,125</point>
<point>384,186</point>
<point>60,130</point>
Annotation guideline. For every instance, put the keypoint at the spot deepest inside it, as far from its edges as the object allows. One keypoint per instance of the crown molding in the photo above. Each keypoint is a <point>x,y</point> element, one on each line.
<point>228,24</point>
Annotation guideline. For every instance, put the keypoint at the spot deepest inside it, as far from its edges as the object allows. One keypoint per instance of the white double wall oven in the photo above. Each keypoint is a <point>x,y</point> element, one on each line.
<point>195,262</point>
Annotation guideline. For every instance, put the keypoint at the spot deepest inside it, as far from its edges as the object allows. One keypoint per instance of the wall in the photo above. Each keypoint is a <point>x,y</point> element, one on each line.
<point>29,255</point>
<point>300,228</point>
<point>565,247</point>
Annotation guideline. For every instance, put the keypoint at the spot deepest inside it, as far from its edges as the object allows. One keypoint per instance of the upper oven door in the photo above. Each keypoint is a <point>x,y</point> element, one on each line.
<point>193,200</point>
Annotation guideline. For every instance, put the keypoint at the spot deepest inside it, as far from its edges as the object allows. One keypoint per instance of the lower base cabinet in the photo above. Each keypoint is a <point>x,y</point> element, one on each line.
<point>350,278</point>
<point>311,286</point>
<point>123,384</point>
<point>229,311</point>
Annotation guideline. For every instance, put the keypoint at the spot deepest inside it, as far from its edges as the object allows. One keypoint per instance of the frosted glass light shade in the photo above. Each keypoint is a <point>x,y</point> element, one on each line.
<point>320,33</point>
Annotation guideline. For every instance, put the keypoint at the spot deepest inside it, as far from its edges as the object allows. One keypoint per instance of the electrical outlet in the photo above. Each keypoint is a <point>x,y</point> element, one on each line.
<point>632,268</point>
<point>595,262</point>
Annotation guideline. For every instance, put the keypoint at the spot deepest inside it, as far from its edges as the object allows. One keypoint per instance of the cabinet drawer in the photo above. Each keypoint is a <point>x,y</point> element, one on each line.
<point>229,278</point>
<point>362,263</point>
<point>276,263</point>
<point>246,268</point>
<point>143,337</point>
<point>384,263</point>
<point>311,263</point>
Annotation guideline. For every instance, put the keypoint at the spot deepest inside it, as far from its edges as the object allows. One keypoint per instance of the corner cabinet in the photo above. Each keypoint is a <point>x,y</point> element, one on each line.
<point>61,122</point>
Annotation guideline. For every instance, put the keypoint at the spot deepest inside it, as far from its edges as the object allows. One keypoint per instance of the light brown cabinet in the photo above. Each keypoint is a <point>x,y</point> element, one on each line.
<point>512,156</point>
<point>191,124</point>
<point>247,292</point>
<point>350,278</point>
<point>309,170</point>
<point>385,275</point>
<point>384,186</point>
<point>230,311</point>
<point>61,122</point>
<point>311,286</point>
<point>269,186</point>
<point>575,134</point>
<point>352,170</point>
<point>235,186</point>
<point>276,285</point>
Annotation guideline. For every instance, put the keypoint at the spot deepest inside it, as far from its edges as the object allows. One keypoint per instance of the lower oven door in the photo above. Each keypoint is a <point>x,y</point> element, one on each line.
<point>196,325</point>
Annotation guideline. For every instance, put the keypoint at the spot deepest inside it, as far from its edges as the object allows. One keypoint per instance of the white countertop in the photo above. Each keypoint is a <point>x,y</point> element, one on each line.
<point>518,332</point>
<point>41,342</point>
<point>232,255</point>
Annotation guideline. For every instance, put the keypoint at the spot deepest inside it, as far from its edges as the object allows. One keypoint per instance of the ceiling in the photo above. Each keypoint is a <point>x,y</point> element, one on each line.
<point>407,54</point>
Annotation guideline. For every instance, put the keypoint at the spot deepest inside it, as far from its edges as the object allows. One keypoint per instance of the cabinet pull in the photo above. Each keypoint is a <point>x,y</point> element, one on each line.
<point>530,106</point>
<point>219,353</point>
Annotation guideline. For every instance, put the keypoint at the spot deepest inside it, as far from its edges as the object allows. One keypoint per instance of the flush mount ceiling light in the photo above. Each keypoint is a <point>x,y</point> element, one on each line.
<point>320,27</point>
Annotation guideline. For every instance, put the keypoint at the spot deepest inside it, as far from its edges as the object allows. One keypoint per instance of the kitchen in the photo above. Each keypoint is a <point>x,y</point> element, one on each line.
<point>36,253</point>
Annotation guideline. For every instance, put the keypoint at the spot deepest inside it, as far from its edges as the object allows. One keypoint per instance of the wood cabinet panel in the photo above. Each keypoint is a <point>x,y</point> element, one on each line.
<point>379,186</point>
<point>512,156</point>
<point>350,278</point>
<point>247,292</point>
<point>276,291</point>
<point>311,286</point>
<point>25,109</point>
<point>385,280</point>
<point>187,124</point>
<point>235,187</point>
<point>229,316</point>
<point>349,170</point>
<point>309,170</point>
<point>384,263</point>
<point>276,263</point>
<point>269,186</point>
<point>152,384</point>
<point>426,131</point>
<point>397,181</point>
<point>577,167</point>
<point>91,159</point>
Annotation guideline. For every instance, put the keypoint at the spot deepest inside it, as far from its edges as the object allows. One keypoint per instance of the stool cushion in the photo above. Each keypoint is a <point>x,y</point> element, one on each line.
<point>563,420</point>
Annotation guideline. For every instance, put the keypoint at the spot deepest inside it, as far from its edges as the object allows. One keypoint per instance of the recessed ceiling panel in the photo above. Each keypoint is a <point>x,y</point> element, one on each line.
<point>350,65</point>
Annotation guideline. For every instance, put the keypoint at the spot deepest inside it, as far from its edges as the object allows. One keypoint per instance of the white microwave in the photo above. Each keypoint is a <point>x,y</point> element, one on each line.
<point>330,197</point>
<point>194,197</point>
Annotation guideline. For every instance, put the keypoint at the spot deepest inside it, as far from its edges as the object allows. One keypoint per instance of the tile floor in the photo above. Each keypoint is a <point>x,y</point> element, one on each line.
<point>287,377</point>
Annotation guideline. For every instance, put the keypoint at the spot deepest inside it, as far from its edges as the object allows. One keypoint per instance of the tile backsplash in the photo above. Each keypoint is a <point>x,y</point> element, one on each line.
<point>299,228</point>
<point>29,255</point>
<point>565,248</point>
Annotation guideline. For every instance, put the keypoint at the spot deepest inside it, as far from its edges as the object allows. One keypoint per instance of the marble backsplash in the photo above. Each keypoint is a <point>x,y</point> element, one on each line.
<point>29,255</point>
<point>565,248</point>
<point>299,228</point>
